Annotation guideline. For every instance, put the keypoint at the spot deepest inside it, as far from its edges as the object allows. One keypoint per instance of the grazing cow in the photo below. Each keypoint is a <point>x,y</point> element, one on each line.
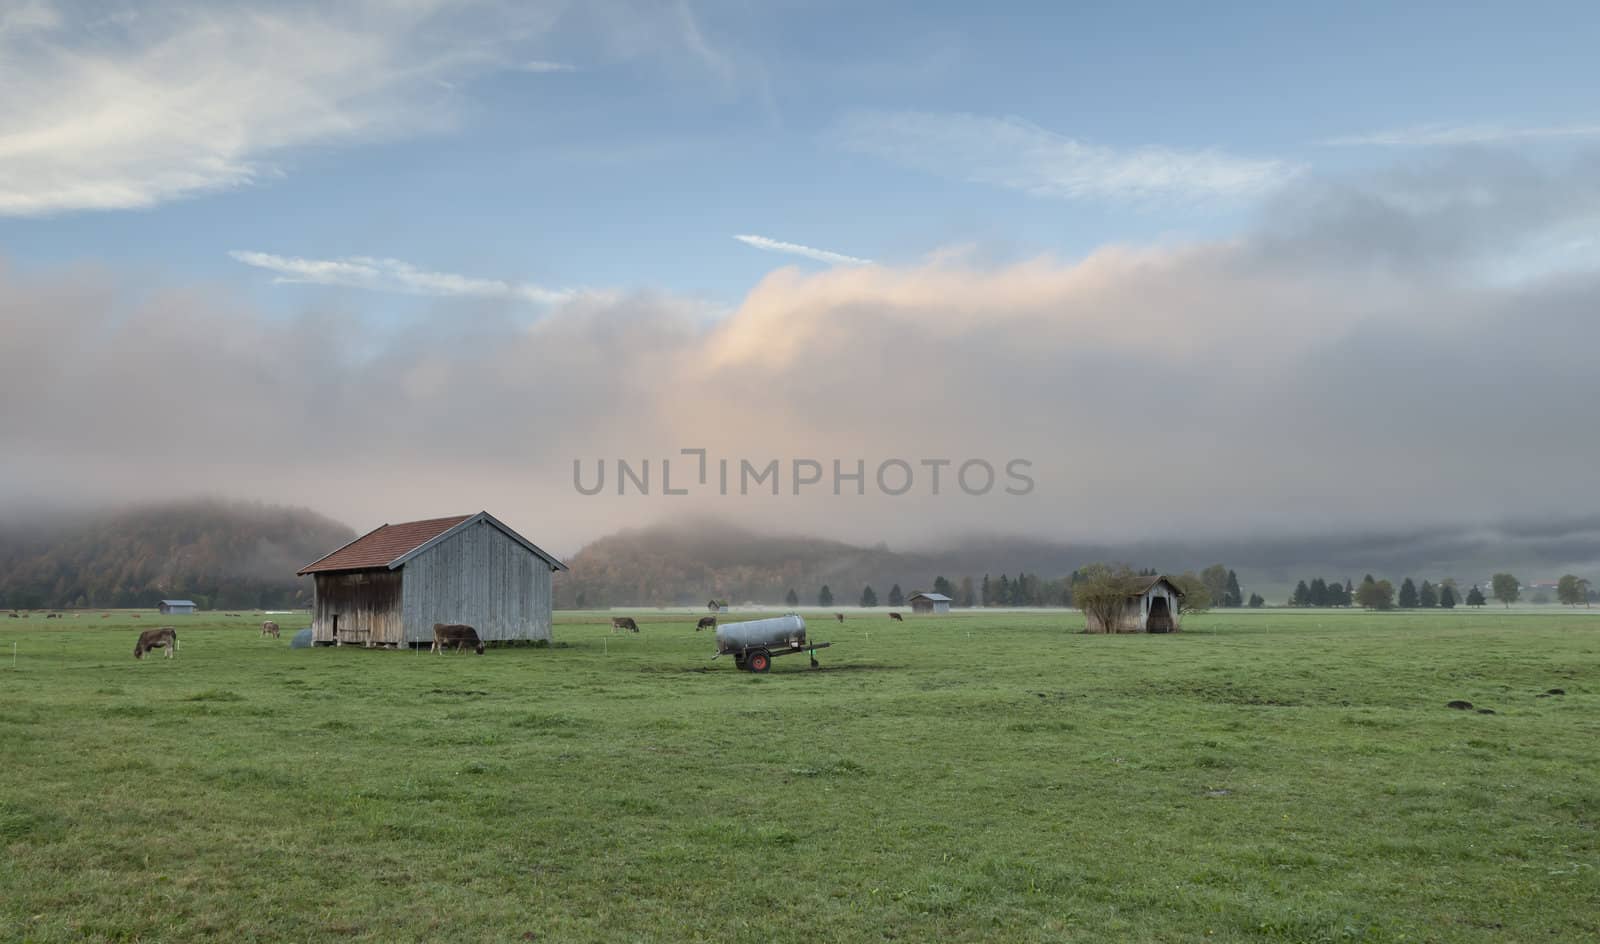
<point>51,615</point>
<point>839,617</point>
<point>12,615</point>
<point>269,628</point>
<point>136,616</point>
<point>897,617</point>
<point>459,635</point>
<point>105,615</point>
<point>706,621</point>
<point>623,623</point>
<point>164,638</point>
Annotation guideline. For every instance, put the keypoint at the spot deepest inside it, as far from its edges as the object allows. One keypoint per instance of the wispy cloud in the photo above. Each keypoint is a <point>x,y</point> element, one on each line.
<point>168,100</point>
<point>394,275</point>
<point>1439,135</point>
<point>795,249</point>
<point>544,65</point>
<point>1015,154</point>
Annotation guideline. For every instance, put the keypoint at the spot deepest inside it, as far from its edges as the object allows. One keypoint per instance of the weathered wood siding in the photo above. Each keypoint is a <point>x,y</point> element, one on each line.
<point>480,577</point>
<point>1136,611</point>
<point>367,603</point>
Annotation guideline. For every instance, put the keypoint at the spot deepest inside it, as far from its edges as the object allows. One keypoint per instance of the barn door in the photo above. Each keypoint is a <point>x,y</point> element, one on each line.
<point>1160,620</point>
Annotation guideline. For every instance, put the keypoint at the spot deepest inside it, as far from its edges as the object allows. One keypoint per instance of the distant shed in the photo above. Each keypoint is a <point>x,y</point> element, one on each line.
<point>1153,607</point>
<point>935,603</point>
<point>177,607</point>
<point>389,586</point>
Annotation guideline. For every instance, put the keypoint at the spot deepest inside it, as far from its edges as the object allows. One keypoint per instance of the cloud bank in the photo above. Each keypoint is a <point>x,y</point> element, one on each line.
<point>1341,366</point>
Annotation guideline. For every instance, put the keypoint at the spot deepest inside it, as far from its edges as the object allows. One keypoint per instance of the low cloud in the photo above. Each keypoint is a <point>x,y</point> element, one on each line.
<point>1340,367</point>
<point>1014,154</point>
<point>393,275</point>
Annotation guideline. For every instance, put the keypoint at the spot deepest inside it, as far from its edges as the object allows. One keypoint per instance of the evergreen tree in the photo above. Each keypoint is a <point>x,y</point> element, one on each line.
<point>1256,601</point>
<point>1408,594</point>
<point>1002,591</point>
<point>868,598</point>
<point>1235,596</point>
<point>1447,597</point>
<point>1349,595</point>
<point>941,585</point>
<point>1319,592</point>
<point>896,596</point>
<point>1475,596</point>
<point>986,593</point>
<point>966,596</point>
<point>824,596</point>
<point>1302,595</point>
<point>1427,596</point>
<point>791,598</point>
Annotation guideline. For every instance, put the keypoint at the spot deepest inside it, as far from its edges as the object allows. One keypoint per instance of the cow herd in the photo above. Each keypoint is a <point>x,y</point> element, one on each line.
<point>459,636</point>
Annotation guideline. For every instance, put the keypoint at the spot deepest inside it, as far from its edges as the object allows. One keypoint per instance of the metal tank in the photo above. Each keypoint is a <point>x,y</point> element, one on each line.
<point>778,632</point>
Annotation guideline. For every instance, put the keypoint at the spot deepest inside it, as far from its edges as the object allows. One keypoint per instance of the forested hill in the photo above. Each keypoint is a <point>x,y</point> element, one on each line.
<point>688,562</point>
<point>222,555</point>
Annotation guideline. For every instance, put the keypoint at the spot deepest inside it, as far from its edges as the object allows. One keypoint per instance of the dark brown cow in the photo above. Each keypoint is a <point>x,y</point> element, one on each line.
<point>269,628</point>
<point>164,638</point>
<point>459,635</point>
<point>621,623</point>
<point>897,617</point>
<point>839,617</point>
<point>706,621</point>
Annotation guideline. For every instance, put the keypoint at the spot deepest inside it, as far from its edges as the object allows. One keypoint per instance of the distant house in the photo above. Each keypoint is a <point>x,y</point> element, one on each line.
<point>935,603</point>
<point>389,586</point>
<point>1153,607</point>
<point>177,607</point>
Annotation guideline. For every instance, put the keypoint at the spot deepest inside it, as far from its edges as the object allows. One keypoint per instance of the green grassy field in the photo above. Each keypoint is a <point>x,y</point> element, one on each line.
<point>1262,776</point>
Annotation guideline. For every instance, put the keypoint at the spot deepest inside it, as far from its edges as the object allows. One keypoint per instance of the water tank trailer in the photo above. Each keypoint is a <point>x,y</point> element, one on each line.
<point>755,643</point>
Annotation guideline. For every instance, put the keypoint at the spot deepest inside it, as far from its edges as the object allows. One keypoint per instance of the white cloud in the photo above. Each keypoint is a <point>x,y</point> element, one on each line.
<point>795,249</point>
<point>1438,135</point>
<point>154,102</point>
<point>544,65</point>
<point>394,275</point>
<point>1017,155</point>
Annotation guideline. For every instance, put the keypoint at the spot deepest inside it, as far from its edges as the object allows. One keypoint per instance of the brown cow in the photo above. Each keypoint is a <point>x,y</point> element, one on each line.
<point>459,635</point>
<point>839,617</point>
<point>269,628</point>
<point>623,623</point>
<point>706,621</point>
<point>897,617</point>
<point>164,638</point>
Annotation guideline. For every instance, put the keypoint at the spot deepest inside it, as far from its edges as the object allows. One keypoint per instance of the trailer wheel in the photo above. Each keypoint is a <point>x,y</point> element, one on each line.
<point>738,662</point>
<point>758,660</point>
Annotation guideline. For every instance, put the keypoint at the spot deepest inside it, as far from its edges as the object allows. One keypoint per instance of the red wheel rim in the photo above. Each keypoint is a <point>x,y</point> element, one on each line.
<point>759,663</point>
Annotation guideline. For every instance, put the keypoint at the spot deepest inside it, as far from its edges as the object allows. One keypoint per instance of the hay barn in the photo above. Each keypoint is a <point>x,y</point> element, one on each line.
<point>388,587</point>
<point>935,603</point>
<point>1154,607</point>
<point>176,607</point>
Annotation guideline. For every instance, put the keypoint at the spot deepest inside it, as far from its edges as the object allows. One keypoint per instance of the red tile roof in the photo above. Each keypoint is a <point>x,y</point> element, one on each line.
<point>378,548</point>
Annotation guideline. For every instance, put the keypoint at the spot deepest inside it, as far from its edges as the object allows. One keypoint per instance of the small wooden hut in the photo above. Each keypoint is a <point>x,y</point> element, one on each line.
<point>389,586</point>
<point>933,603</point>
<point>1154,606</point>
<point>177,607</point>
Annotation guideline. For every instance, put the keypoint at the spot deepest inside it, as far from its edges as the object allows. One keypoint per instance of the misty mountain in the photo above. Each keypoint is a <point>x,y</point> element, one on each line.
<point>221,554</point>
<point>690,561</point>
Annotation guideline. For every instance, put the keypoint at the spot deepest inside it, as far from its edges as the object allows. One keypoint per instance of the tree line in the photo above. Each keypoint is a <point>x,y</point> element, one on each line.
<point>1214,586</point>
<point>1382,595</point>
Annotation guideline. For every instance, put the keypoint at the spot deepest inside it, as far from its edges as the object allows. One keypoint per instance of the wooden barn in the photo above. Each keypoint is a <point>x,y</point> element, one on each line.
<point>1154,607</point>
<point>935,603</point>
<point>388,587</point>
<point>177,607</point>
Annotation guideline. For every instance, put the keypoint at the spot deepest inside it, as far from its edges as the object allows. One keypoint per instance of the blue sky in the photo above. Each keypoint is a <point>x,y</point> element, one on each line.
<point>1326,246</point>
<point>658,132</point>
